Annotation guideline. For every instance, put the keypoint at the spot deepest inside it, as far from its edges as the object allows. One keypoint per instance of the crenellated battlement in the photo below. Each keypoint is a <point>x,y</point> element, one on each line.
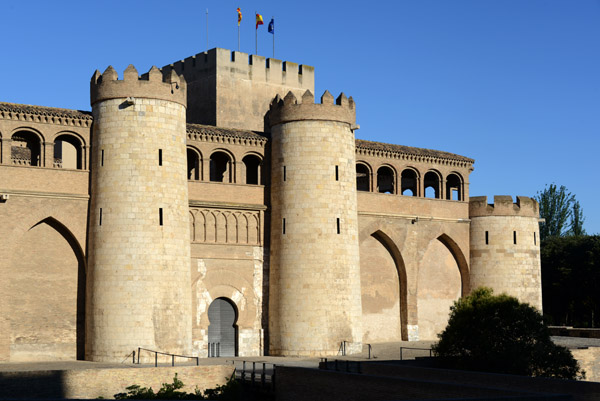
<point>290,109</point>
<point>154,84</point>
<point>256,68</point>
<point>503,206</point>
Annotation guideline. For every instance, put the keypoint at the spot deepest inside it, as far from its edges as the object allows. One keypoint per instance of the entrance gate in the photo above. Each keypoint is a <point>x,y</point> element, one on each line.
<point>222,330</point>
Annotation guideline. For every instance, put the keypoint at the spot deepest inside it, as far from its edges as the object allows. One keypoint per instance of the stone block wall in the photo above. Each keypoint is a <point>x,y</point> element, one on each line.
<point>139,279</point>
<point>505,247</point>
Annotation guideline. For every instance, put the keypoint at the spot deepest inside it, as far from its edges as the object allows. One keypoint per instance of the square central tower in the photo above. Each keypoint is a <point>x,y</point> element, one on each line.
<point>231,89</point>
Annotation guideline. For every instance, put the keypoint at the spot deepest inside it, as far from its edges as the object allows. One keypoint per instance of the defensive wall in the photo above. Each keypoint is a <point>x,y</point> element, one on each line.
<point>229,221</point>
<point>233,89</point>
<point>408,207</point>
<point>505,247</point>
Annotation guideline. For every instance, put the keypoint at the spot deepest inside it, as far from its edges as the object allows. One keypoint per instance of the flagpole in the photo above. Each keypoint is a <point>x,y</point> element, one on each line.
<point>255,36</point>
<point>207,29</point>
<point>273,19</point>
<point>238,37</point>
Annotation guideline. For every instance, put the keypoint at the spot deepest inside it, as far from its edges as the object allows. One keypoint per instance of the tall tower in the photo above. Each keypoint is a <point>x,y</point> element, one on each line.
<point>315,298</point>
<point>505,247</point>
<point>138,289</point>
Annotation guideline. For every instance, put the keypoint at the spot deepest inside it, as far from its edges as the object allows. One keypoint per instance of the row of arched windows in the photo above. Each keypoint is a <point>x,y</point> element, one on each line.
<point>221,166</point>
<point>409,182</point>
<point>27,149</point>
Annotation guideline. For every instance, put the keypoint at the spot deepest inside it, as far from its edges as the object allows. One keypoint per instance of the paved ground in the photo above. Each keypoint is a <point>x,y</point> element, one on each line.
<point>380,351</point>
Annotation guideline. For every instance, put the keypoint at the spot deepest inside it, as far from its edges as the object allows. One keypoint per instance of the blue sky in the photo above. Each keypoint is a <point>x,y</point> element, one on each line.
<point>513,84</point>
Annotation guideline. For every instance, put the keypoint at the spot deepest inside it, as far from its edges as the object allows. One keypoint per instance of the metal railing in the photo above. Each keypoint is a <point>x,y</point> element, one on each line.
<point>342,350</point>
<point>263,377</point>
<point>420,349</point>
<point>370,350</point>
<point>163,353</point>
<point>342,366</point>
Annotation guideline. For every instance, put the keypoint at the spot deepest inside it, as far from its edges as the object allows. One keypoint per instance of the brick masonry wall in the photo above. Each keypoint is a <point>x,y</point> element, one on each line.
<point>94,383</point>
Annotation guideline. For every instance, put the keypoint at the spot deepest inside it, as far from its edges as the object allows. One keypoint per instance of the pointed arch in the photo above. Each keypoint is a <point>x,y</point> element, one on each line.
<point>461,261</point>
<point>392,248</point>
<point>64,278</point>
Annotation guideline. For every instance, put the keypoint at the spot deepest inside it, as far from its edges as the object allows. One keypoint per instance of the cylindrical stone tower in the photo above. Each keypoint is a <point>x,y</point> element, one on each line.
<point>138,281</point>
<point>315,301</point>
<point>505,247</point>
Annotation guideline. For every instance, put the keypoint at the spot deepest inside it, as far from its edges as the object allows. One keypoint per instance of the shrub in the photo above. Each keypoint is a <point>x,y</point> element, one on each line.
<point>497,333</point>
<point>229,391</point>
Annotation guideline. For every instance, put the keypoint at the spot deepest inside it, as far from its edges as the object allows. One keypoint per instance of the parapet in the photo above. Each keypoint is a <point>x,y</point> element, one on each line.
<point>503,206</point>
<point>258,68</point>
<point>290,109</point>
<point>152,85</point>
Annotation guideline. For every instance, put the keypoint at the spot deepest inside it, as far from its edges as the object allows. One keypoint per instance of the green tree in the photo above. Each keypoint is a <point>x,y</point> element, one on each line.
<point>555,209</point>
<point>570,280</point>
<point>577,219</point>
<point>497,333</point>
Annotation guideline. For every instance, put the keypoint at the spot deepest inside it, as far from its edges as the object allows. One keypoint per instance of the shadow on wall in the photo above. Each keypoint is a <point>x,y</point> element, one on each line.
<point>39,384</point>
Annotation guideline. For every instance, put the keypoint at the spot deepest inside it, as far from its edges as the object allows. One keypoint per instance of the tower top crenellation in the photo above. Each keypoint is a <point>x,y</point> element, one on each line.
<point>290,109</point>
<point>503,206</point>
<point>154,84</point>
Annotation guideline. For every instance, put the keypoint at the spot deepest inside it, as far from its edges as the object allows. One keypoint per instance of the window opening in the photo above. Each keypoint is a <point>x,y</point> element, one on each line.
<point>160,216</point>
<point>408,182</point>
<point>284,173</point>
<point>252,165</point>
<point>432,185</point>
<point>385,180</point>
<point>362,178</point>
<point>160,157</point>
<point>100,219</point>
<point>338,225</point>
<point>515,237</point>
<point>102,158</point>
<point>534,239</point>
<point>453,187</point>
<point>220,167</point>
<point>337,173</point>
<point>283,230</point>
<point>487,238</point>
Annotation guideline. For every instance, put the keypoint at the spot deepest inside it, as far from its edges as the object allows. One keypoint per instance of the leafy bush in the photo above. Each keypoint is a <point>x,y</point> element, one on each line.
<point>228,392</point>
<point>497,333</point>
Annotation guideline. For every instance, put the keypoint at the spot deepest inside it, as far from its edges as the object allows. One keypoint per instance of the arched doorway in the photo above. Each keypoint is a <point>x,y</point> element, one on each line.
<point>222,330</point>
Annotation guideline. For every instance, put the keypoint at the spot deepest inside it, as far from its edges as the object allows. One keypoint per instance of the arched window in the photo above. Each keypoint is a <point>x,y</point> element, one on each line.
<point>68,152</point>
<point>25,149</point>
<point>385,180</point>
<point>221,167</point>
<point>409,182</point>
<point>432,185</point>
<point>454,187</point>
<point>252,164</point>
<point>363,177</point>
<point>193,165</point>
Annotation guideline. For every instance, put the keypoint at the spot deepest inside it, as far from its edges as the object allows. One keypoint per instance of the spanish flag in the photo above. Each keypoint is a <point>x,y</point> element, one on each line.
<point>239,16</point>
<point>259,20</point>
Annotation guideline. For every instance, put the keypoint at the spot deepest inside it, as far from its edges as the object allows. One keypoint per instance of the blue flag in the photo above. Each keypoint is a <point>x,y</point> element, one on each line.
<point>271,27</point>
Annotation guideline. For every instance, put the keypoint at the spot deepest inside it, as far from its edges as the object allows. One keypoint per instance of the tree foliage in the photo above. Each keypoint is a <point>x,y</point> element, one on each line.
<point>577,219</point>
<point>570,280</point>
<point>497,333</point>
<point>171,391</point>
<point>555,209</point>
